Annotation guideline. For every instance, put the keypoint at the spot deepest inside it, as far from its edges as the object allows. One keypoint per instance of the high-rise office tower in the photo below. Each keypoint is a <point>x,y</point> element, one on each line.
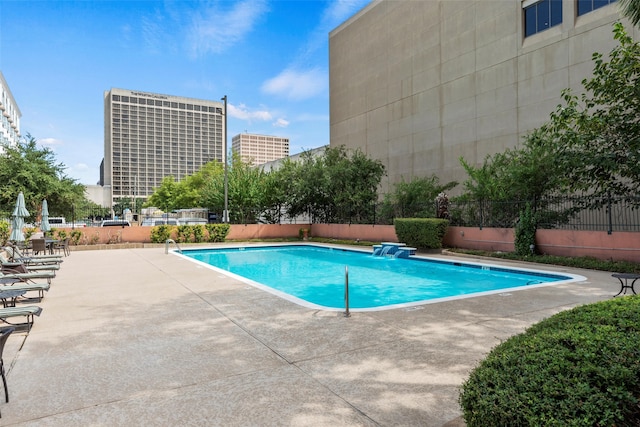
<point>260,149</point>
<point>148,136</point>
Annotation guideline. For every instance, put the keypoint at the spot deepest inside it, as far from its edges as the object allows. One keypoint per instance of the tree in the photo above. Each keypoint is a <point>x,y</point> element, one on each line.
<point>34,171</point>
<point>416,198</point>
<point>595,138</point>
<point>187,193</point>
<point>631,9</point>
<point>245,192</point>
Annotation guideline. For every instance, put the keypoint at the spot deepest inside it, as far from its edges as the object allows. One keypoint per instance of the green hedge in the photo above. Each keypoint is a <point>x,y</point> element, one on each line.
<point>190,233</point>
<point>578,368</point>
<point>424,233</point>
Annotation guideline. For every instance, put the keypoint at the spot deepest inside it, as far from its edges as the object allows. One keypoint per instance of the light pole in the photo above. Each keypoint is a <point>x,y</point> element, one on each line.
<point>225,214</point>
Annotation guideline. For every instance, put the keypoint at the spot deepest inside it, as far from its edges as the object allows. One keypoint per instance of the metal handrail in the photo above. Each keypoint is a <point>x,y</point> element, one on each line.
<point>166,245</point>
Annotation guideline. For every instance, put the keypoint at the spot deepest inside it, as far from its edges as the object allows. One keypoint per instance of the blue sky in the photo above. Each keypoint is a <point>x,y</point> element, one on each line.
<point>270,57</point>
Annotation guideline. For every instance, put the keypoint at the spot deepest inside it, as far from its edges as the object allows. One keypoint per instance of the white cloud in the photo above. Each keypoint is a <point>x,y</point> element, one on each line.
<point>297,85</point>
<point>214,30</point>
<point>243,113</point>
<point>50,142</point>
<point>81,167</point>
<point>281,123</point>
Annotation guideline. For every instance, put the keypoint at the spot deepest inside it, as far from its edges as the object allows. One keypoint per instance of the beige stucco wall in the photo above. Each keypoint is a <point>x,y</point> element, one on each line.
<point>419,84</point>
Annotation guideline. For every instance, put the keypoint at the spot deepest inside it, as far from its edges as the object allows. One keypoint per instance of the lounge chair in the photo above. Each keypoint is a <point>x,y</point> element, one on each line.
<point>24,286</point>
<point>4,335</point>
<point>29,277</point>
<point>21,267</point>
<point>13,256</point>
<point>26,311</point>
<point>13,251</point>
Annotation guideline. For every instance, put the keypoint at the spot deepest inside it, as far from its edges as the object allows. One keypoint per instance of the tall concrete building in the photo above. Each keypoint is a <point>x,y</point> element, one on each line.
<point>420,84</point>
<point>148,136</point>
<point>260,149</point>
<point>9,115</point>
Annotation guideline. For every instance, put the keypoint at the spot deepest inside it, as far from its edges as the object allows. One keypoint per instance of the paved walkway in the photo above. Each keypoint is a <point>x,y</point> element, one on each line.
<point>139,337</point>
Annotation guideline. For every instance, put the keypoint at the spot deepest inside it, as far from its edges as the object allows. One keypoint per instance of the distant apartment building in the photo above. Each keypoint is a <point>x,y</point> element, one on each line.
<point>420,84</point>
<point>260,149</point>
<point>148,136</point>
<point>9,115</point>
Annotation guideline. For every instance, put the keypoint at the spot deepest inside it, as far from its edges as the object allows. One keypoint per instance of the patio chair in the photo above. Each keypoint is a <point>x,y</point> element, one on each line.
<point>4,335</point>
<point>63,246</point>
<point>39,247</point>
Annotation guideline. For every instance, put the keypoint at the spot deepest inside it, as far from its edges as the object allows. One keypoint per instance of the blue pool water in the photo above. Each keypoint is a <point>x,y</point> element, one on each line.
<point>314,276</point>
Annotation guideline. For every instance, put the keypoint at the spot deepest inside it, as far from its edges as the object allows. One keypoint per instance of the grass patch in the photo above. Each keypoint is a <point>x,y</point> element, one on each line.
<point>577,262</point>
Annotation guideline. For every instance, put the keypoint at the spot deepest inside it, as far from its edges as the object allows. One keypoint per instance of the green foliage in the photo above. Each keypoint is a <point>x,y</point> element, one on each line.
<point>631,9</point>
<point>338,186</point>
<point>184,233</point>
<point>26,167</point>
<point>5,232</point>
<point>76,235</point>
<point>414,199</point>
<point>217,232</point>
<point>525,231</point>
<point>245,192</point>
<point>577,368</point>
<point>59,234</point>
<point>424,233</point>
<point>198,233</point>
<point>594,139</point>
<point>160,233</point>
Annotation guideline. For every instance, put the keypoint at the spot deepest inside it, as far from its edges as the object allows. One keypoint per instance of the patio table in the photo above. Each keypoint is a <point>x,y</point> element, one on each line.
<point>624,282</point>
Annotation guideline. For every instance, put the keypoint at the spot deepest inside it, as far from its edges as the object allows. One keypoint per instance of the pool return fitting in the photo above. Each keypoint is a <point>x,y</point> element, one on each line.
<point>346,291</point>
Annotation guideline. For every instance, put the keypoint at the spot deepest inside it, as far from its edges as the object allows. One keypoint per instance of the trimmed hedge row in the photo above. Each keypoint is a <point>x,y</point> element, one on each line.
<point>580,367</point>
<point>190,233</point>
<point>423,233</point>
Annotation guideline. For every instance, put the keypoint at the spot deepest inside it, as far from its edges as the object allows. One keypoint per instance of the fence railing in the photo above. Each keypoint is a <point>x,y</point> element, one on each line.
<point>572,213</point>
<point>565,213</point>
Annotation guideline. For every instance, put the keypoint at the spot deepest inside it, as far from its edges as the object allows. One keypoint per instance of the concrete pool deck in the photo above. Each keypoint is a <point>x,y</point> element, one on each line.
<point>136,336</point>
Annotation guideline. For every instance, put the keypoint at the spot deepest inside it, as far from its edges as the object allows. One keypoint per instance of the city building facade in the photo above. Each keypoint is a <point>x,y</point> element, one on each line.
<point>420,84</point>
<point>149,136</point>
<point>259,149</point>
<point>9,115</point>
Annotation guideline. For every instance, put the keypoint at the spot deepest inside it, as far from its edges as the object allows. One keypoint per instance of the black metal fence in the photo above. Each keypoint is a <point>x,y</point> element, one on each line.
<point>567,213</point>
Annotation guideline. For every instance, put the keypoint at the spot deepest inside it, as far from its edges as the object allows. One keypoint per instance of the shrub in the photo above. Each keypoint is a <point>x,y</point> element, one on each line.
<point>525,231</point>
<point>184,233</point>
<point>217,232</point>
<point>425,233</point>
<point>580,367</point>
<point>160,233</point>
<point>76,235</point>
<point>5,232</point>
<point>198,233</point>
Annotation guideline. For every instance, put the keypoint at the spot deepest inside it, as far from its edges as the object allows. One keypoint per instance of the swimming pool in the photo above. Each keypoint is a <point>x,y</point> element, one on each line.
<point>314,276</point>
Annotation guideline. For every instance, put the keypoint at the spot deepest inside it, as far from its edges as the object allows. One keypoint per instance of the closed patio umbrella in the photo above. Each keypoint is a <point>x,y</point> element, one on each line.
<point>20,212</point>
<point>44,225</point>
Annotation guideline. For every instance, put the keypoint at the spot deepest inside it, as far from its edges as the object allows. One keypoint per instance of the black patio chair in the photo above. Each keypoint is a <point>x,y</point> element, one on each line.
<point>4,335</point>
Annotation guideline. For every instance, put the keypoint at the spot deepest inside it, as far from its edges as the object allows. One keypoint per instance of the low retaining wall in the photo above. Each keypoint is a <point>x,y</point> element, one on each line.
<point>619,246</point>
<point>624,246</point>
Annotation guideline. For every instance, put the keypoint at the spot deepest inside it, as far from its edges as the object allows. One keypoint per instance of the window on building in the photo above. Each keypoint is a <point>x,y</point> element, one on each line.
<point>541,15</point>
<point>586,6</point>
